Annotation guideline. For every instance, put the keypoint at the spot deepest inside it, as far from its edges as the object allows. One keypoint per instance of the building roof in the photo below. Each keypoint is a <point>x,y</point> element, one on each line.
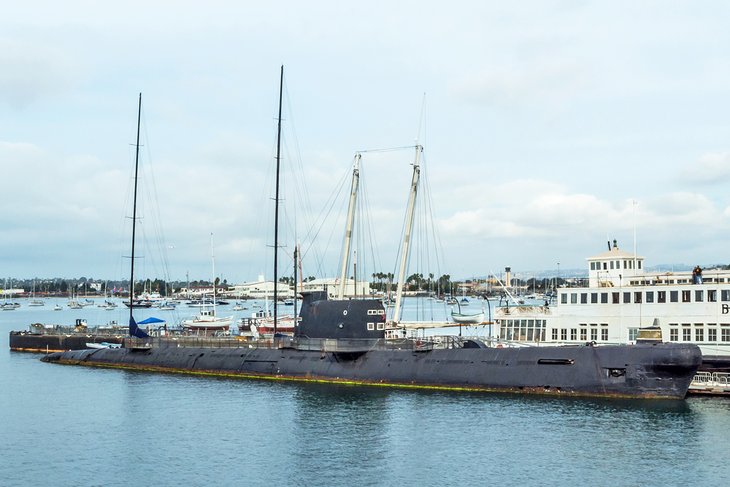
<point>614,253</point>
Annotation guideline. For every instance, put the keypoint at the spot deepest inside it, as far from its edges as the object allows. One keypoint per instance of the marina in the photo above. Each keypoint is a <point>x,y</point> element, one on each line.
<point>353,341</point>
<point>468,244</point>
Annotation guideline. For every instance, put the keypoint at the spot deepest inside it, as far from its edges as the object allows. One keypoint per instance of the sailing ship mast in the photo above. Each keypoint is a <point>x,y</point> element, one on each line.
<point>276,200</point>
<point>347,241</point>
<point>134,330</point>
<point>212,260</point>
<point>410,211</point>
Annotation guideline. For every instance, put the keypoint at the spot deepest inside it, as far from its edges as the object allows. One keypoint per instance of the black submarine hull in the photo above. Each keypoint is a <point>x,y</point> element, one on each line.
<point>661,370</point>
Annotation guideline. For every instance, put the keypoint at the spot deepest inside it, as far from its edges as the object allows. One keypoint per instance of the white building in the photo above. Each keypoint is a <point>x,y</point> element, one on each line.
<point>333,285</point>
<point>260,289</point>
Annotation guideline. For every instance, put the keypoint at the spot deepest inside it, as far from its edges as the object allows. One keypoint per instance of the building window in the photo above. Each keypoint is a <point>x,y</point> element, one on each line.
<point>637,297</point>
<point>583,298</point>
<point>594,298</point>
<point>627,297</point>
<point>583,334</point>
<point>563,334</point>
<point>725,333</point>
<point>633,332</point>
<point>638,264</point>
<point>573,334</point>
<point>604,334</point>
<point>371,326</point>
<point>686,333</point>
<point>673,335</point>
<point>381,326</point>
<point>555,334</point>
<point>712,295</point>
<point>711,334</point>
<point>604,298</point>
<point>573,298</point>
<point>563,298</point>
<point>594,334</point>
<point>611,264</point>
<point>650,296</point>
<point>674,296</point>
<point>614,298</point>
<point>699,295</point>
<point>725,295</point>
<point>685,296</point>
<point>699,335</point>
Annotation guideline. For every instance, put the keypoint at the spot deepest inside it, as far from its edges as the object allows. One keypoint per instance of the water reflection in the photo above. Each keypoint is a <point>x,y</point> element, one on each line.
<point>337,426</point>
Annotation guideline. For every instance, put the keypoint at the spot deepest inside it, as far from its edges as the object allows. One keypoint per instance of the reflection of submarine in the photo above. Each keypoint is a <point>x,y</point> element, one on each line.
<point>344,341</point>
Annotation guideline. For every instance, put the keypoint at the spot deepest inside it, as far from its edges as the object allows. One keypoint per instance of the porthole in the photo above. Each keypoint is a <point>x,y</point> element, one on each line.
<point>344,312</point>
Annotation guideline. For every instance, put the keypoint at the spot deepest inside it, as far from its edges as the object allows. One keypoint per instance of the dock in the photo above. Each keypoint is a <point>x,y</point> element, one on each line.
<point>710,384</point>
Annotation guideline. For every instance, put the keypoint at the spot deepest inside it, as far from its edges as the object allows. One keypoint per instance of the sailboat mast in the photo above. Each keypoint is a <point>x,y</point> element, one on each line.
<point>212,260</point>
<point>407,234</point>
<point>276,199</point>
<point>134,212</point>
<point>347,241</point>
<point>296,258</point>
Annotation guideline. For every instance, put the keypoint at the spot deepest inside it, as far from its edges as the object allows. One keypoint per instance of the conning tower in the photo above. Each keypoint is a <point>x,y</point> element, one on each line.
<point>321,317</point>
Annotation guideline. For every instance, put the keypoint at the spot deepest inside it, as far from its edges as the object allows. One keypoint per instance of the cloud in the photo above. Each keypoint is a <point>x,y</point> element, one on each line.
<point>711,168</point>
<point>546,82</point>
<point>32,71</point>
<point>526,214</point>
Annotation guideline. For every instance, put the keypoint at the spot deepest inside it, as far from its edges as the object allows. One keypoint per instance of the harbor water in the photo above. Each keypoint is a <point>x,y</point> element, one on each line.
<point>82,426</point>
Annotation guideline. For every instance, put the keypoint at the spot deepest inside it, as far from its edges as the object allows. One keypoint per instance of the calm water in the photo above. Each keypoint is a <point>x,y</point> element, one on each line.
<point>65,425</point>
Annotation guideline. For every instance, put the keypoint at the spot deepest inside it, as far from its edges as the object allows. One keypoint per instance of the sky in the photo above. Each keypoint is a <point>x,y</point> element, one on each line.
<point>548,128</point>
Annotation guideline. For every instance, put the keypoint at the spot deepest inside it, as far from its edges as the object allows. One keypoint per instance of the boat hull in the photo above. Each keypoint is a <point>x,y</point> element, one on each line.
<point>30,342</point>
<point>635,371</point>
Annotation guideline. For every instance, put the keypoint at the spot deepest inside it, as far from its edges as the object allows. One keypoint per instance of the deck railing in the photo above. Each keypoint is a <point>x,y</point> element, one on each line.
<point>318,344</point>
<point>711,379</point>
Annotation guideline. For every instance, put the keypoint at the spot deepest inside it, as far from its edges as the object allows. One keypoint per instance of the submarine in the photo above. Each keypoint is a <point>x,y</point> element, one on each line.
<point>344,341</point>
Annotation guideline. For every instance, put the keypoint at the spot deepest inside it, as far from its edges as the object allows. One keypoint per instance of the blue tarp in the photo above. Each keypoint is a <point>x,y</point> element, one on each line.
<point>150,320</point>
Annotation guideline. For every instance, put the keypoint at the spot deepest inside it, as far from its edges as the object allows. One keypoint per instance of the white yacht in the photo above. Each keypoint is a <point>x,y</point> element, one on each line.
<point>621,298</point>
<point>207,322</point>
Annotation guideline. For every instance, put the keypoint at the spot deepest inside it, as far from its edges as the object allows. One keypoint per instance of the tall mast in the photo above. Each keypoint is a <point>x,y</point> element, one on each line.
<point>407,234</point>
<point>276,199</point>
<point>133,330</point>
<point>347,241</point>
<point>212,260</point>
<point>296,258</point>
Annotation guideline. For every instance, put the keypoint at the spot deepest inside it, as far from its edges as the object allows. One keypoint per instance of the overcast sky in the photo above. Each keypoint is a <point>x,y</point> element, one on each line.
<point>547,128</point>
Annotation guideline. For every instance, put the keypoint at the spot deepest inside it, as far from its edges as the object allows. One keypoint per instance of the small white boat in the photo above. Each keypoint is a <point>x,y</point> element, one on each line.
<point>102,345</point>
<point>58,307</point>
<point>467,318</point>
